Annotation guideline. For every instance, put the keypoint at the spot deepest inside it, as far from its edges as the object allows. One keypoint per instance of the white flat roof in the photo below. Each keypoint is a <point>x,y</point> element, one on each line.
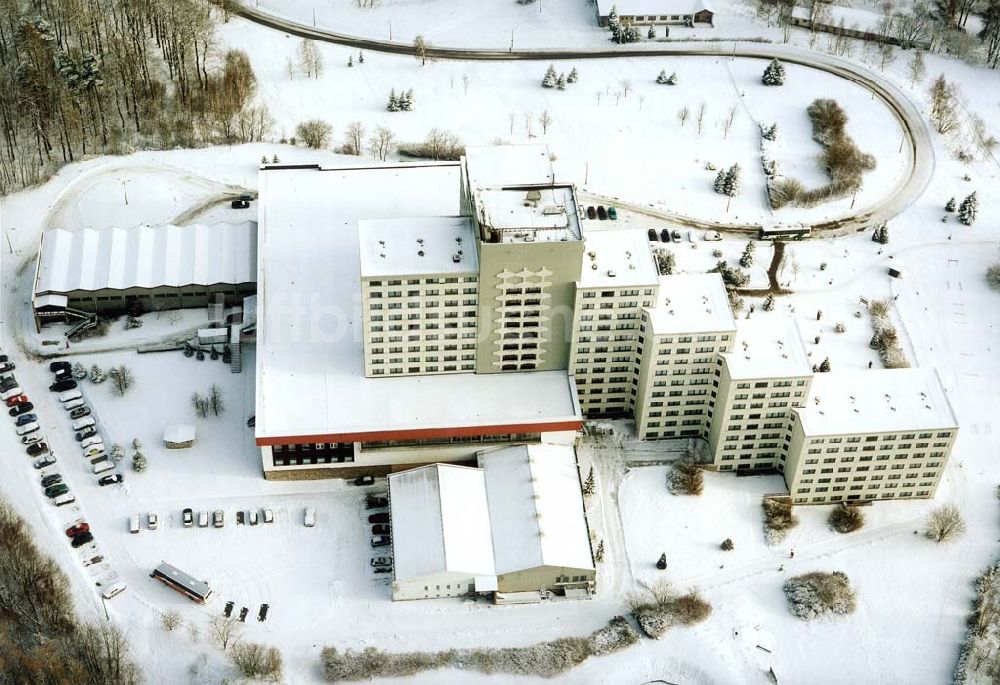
<point>876,401</point>
<point>768,346</point>
<point>552,218</point>
<point>536,508</point>
<point>428,245</point>
<point>493,166</point>
<point>440,522</point>
<point>146,257</point>
<point>617,258</point>
<point>632,8</point>
<point>691,303</point>
<point>310,366</point>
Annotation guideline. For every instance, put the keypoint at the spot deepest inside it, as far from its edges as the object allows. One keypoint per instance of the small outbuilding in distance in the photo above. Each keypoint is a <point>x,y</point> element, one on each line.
<point>179,436</point>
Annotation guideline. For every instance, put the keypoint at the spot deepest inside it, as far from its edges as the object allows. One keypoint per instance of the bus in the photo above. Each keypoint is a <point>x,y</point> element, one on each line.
<point>176,579</point>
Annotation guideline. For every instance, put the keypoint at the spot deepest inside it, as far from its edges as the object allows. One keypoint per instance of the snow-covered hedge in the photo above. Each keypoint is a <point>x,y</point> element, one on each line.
<point>778,520</point>
<point>820,593</point>
<point>659,616</point>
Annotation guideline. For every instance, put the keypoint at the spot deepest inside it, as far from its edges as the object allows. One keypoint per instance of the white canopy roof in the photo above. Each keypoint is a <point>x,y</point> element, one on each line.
<point>179,432</point>
<point>146,257</point>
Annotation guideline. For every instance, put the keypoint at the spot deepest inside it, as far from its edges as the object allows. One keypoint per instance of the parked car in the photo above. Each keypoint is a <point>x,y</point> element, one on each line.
<point>591,212</point>
<point>239,204</point>
<point>63,500</point>
<point>42,462</point>
<point>25,419</point>
<point>82,527</point>
<point>113,479</point>
<point>101,465</point>
<point>218,518</point>
<point>676,235</point>
<point>13,392</point>
<point>91,441</point>
<point>73,404</point>
<point>81,540</point>
<point>602,213</point>
<point>63,385</point>
<point>612,213</point>
<point>187,518</point>
<point>93,560</point>
<point>70,395</point>
<point>93,451</point>
<point>133,524</point>
<point>51,479</point>
<point>651,233</point>
<point>15,400</point>
<point>381,517</point>
<point>665,235</point>
<point>79,412</point>
<point>152,521</point>
<point>56,490</point>
<point>85,422</point>
<point>22,408</point>
<point>3,358</point>
<point>6,366</point>
<point>86,433</point>
<point>36,448</point>
<point>380,529</point>
<point>381,561</point>
<point>268,515</point>
<point>376,503</point>
<point>380,541</point>
<point>55,366</point>
<point>364,480</point>
<point>383,569</point>
<point>253,518</point>
<point>31,438</point>
<point>712,236</point>
<point>113,590</point>
<point>203,519</point>
<point>27,428</point>
<point>309,518</point>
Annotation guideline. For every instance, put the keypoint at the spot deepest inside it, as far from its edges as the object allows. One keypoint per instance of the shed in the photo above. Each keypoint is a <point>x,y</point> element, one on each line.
<point>179,436</point>
<point>895,273</point>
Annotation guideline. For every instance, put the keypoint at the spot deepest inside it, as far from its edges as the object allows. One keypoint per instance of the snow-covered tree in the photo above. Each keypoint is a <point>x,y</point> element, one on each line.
<point>768,303</point>
<point>665,262</point>
<point>968,209</point>
<point>117,453</point>
<point>720,182</point>
<point>825,365</point>
<point>549,80</point>
<point>746,260</point>
<point>661,78</point>
<point>993,276</point>
<point>769,132</point>
<point>589,485</point>
<point>393,105</point>
<point>951,205</point>
<point>574,76</point>
<point>406,101</point>
<point>651,34</point>
<point>79,371</point>
<point>350,60</point>
<point>774,74</point>
<point>733,184</point>
<point>561,82</point>
<point>139,462</point>
<point>672,79</point>
<point>881,234</point>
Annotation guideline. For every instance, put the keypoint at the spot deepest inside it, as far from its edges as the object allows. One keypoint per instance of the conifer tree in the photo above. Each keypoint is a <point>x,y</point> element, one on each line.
<point>968,209</point>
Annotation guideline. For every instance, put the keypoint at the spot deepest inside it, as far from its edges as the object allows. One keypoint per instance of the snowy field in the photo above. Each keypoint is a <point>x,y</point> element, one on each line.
<point>913,596</point>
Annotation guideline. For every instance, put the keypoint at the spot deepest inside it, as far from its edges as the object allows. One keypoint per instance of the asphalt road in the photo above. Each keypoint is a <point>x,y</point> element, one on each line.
<point>916,144</point>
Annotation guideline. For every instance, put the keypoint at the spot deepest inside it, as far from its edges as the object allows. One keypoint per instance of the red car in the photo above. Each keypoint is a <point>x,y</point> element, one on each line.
<point>78,529</point>
<point>16,399</point>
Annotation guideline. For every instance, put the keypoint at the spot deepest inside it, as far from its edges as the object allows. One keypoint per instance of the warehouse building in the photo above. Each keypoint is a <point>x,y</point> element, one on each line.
<point>514,528</point>
<point>145,268</point>
<point>656,12</point>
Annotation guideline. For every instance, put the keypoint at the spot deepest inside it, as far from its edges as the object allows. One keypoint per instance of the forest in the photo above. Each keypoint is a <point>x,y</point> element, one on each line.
<point>87,78</point>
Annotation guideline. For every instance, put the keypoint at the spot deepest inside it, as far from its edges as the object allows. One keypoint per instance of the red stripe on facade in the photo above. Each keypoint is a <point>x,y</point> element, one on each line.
<point>423,433</point>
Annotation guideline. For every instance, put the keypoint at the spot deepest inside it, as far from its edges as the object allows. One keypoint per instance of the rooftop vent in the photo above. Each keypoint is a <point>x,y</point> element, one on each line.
<point>611,273</point>
<point>457,257</point>
<point>420,241</point>
<point>550,210</point>
<point>420,253</point>
<point>458,240</point>
<point>592,254</point>
<point>593,266</point>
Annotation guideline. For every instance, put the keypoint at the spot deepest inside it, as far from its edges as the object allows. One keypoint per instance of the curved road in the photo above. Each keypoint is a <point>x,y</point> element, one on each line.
<point>917,145</point>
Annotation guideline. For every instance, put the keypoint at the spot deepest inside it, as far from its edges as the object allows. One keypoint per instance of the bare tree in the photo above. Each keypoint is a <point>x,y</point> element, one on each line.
<point>944,105</point>
<point>527,124</point>
<point>465,84</point>
<point>315,133</point>
<point>682,115</point>
<point>121,379</point>
<point>626,85</point>
<point>729,122</point>
<point>916,68</point>
<point>257,661</point>
<point>224,630</point>
<point>216,400</point>
<point>310,60</point>
<point>170,620</point>
<point>380,143</point>
<point>200,404</point>
<point>700,117</point>
<point>545,120</point>
<point>420,48</point>
<point>944,524</point>
<point>354,136</point>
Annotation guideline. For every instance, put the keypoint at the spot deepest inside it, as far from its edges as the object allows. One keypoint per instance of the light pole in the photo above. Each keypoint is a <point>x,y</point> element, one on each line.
<point>124,191</point>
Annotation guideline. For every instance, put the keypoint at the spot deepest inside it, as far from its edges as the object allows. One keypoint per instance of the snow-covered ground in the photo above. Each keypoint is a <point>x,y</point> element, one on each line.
<point>913,596</point>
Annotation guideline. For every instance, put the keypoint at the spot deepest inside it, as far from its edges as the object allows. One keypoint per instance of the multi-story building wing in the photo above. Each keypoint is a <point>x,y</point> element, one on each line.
<point>619,279</point>
<point>419,287</point>
<point>764,376</point>
<point>870,435</point>
<point>679,343</point>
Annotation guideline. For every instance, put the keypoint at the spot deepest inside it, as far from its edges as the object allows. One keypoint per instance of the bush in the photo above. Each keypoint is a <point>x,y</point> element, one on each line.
<point>727,545</point>
<point>820,593</point>
<point>846,519</point>
<point>121,379</point>
<point>944,524</point>
<point>668,609</point>
<point>170,620</point>
<point>778,520</point>
<point>438,145</point>
<point>993,276</point>
<point>545,659</point>
<point>257,661</point>
<point>314,133</point>
<point>685,478</point>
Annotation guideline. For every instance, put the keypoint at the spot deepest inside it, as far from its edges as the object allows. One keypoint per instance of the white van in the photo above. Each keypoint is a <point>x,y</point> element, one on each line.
<point>113,589</point>
<point>133,524</point>
<point>86,421</point>
<point>61,500</point>
<point>73,394</point>
<point>203,519</point>
<point>28,428</point>
<point>102,466</point>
